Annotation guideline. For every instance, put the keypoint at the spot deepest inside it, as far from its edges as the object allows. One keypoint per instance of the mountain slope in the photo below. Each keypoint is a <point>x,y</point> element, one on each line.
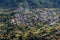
<point>30,3</point>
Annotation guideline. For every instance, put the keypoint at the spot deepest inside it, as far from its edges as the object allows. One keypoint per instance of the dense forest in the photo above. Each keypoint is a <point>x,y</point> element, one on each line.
<point>30,24</point>
<point>29,19</point>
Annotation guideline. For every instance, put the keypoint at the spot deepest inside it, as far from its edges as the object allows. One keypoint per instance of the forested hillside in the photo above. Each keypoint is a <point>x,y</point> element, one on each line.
<point>30,24</point>
<point>29,19</point>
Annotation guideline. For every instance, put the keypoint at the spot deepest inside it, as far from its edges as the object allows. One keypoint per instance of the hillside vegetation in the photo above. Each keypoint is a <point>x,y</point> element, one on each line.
<point>30,24</point>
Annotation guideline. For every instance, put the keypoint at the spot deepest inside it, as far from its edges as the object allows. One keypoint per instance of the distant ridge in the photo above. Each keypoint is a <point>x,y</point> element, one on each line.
<point>6,4</point>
